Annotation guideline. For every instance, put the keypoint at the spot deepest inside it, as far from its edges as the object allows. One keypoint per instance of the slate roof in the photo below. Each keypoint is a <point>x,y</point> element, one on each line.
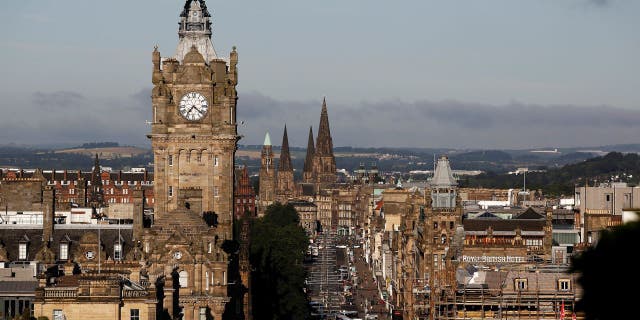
<point>11,239</point>
<point>25,287</point>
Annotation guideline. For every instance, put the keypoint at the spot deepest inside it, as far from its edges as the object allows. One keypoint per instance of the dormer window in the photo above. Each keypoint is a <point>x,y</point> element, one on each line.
<point>564,284</point>
<point>64,251</point>
<point>117,251</point>
<point>22,251</point>
<point>520,284</point>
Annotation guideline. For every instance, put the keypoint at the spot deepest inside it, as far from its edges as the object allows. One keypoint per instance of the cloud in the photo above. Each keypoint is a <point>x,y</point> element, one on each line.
<point>448,123</point>
<point>58,99</point>
<point>67,117</point>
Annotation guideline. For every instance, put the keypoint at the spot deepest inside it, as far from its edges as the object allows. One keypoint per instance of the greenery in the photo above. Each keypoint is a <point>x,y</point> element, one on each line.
<point>278,245</point>
<point>93,145</point>
<point>614,166</point>
<point>603,278</point>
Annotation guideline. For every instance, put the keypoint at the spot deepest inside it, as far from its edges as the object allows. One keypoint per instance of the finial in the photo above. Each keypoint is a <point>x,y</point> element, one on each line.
<point>155,47</point>
<point>234,48</point>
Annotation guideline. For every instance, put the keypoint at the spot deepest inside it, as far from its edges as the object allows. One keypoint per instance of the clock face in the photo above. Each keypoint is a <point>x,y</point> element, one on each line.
<point>193,106</point>
<point>177,254</point>
<point>90,255</point>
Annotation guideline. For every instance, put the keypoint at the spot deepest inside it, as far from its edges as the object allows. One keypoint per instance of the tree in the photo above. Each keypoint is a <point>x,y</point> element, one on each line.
<point>278,245</point>
<point>606,286</point>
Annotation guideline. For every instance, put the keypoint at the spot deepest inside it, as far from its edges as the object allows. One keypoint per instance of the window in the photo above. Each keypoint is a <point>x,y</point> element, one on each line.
<point>435,226</point>
<point>117,251</point>
<point>206,278</point>
<point>135,314</point>
<point>443,239</point>
<point>216,190</point>
<point>72,191</point>
<point>170,191</point>
<point>521,284</point>
<point>564,284</point>
<point>215,161</point>
<point>57,314</point>
<point>64,251</point>
<point>125,191</point>
<point>451,225</point>
<point>210,247</point>
<point>435,261</point>
<point>170,160</point>
<point>184,279</point>
<point>22,251</point>
<point>203,313</point>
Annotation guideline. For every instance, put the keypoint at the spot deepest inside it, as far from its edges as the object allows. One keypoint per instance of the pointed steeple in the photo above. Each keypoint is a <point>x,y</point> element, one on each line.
<point>443,177</point>
<point>195,30</point>
<point>267,139</point>
<point>285,156</point>
<point>324,143</point>
<point>96,193</point>
<point>308,161</point>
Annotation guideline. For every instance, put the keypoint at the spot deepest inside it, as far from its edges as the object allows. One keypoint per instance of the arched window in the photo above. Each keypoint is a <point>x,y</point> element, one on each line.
<point>184,279</point>
<point>443,239</point>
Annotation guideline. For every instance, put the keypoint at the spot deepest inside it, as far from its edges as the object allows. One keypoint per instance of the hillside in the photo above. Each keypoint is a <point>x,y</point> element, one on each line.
<point>614,166</point>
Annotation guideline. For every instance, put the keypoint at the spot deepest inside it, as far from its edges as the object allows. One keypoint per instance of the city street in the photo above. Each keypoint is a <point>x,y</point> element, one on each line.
<point>367,296</point>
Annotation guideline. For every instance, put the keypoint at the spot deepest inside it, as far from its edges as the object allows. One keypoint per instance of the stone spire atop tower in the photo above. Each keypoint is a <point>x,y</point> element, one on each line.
<point>195,31</point>
<point>308,161</point>
<point>324,143</point>
<point>267,140</point>
<point>285,156</point>
<point>267,176</point>
<point>285,188</point>
<point>324,163</point>
<point>96,194</point>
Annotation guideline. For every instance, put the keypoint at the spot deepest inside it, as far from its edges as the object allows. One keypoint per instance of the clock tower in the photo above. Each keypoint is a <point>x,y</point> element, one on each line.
<point>193,133</point>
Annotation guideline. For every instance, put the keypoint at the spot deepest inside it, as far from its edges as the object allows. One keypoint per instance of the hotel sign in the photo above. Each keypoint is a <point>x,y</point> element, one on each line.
<point>494,259</point>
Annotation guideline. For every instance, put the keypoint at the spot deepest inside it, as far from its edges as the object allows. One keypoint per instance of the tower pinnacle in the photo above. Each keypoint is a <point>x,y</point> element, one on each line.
<point>195,30</point>
<point>285,156</point>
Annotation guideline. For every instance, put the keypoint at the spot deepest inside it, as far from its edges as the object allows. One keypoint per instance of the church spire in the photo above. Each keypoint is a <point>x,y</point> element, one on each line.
<point>285,156</point>
<point>324,144</point>
<point>195,30</point>
<point>308,161</point>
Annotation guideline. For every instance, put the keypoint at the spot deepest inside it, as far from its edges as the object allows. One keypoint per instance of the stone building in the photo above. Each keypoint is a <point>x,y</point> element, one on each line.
<point>176,268</point>
<point>324,162</point>
<point>245,196</point>
<point>308,213</point>
<point>267,178</point>
<point>73,187</point>
<point>285,187</point>
<point>600,207</point>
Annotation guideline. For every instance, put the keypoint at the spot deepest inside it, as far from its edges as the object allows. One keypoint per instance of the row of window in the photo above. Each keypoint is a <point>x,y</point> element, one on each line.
<point>451,225</point>
<point>216,160</point>
<point>64,251</point>
<point>521,284</point>
<point>216,191</point>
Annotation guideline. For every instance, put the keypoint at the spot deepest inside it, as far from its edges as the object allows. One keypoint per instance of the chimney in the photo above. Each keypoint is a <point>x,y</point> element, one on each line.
<point>138,212</point>
<point>48,213</point>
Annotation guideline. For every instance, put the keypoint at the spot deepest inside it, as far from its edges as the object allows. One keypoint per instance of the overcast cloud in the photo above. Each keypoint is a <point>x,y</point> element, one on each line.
<point>72,119</point>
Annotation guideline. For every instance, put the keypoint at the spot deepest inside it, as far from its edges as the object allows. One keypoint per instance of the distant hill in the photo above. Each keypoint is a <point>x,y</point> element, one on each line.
<point>107,153</point>
<point>614,166</point>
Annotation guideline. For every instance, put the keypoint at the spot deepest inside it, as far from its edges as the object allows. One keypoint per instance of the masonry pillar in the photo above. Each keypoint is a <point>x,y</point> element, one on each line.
<point>138,212</point>
<point>48,213</point>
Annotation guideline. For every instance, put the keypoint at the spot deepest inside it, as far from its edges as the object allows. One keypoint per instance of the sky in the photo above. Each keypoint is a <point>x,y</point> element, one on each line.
<point>411,73</point>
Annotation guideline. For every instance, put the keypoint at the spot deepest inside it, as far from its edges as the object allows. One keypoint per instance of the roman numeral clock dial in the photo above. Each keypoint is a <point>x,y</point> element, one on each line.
<point>193,106</point>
